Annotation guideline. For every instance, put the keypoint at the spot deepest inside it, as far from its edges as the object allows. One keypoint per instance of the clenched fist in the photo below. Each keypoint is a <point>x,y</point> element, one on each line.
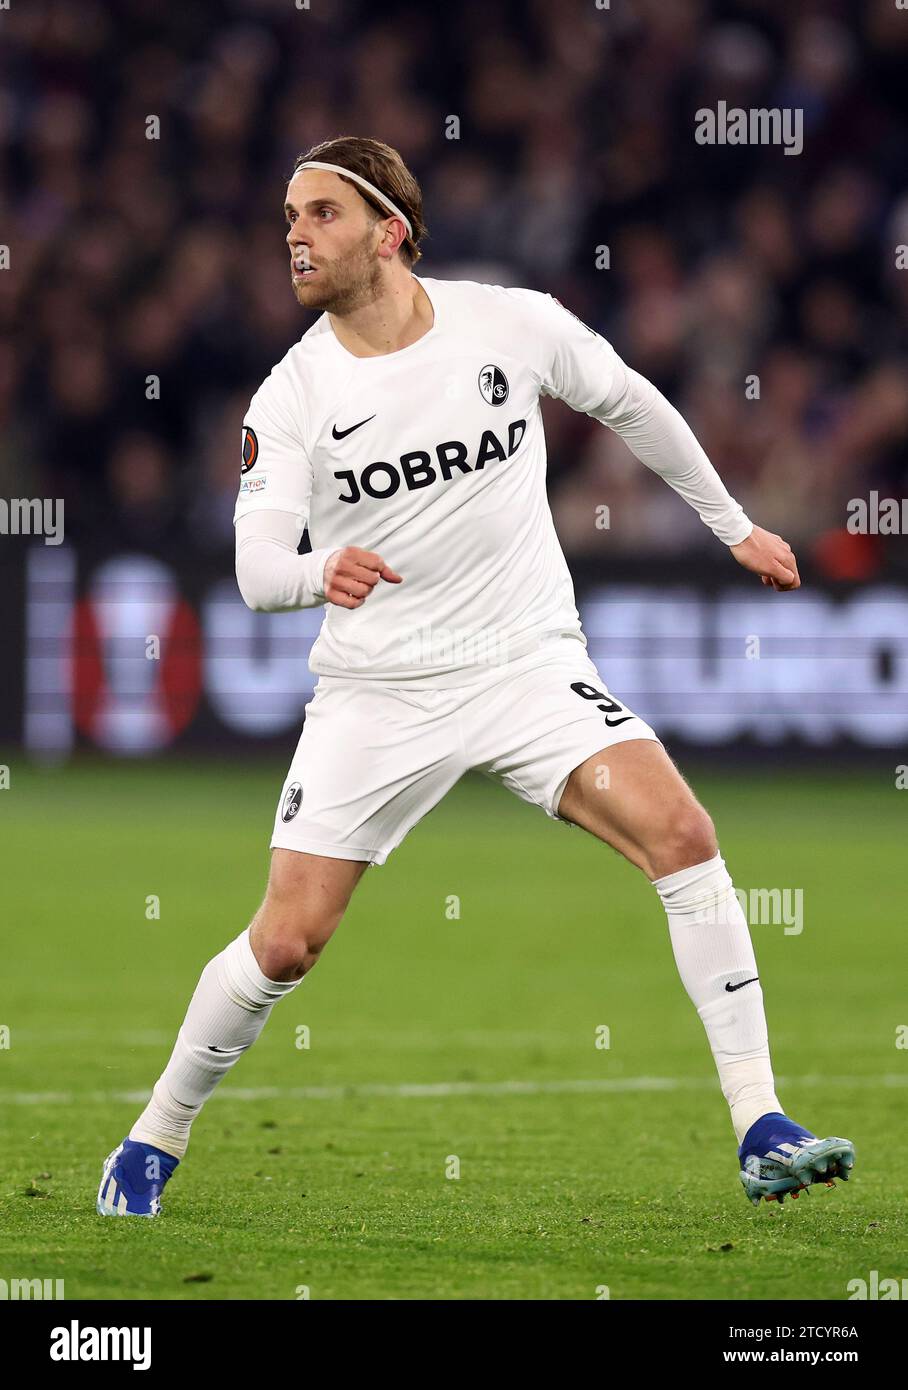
<point>351,574</point>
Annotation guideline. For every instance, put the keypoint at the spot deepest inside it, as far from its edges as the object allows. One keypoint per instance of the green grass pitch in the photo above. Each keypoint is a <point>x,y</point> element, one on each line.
<point>436,1038</point>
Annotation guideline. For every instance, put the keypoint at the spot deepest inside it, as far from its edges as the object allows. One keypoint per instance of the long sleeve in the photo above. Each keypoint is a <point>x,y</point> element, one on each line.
<point>272,577</point>
<point>581,368</point>
<point>272,506</point>
<point>660,437</point>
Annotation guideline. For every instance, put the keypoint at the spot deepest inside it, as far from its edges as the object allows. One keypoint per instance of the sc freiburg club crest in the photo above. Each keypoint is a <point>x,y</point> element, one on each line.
<point>493,384</point>
<point>292,801</point>
<point>250,449</point>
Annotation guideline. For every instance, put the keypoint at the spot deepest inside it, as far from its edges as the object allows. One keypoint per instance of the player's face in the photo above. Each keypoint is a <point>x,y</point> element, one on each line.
<point>333,243</point>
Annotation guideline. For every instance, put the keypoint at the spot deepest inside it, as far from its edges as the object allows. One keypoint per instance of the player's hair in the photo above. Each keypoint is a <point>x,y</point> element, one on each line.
<point>383,167</point>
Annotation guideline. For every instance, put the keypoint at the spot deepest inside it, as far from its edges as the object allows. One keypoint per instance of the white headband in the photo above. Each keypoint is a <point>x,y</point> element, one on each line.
<point>364,183</point>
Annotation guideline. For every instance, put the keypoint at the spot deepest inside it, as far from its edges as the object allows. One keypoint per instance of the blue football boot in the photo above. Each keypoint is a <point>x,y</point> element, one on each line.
<point>133,1180</point>
<point>778,1157</point>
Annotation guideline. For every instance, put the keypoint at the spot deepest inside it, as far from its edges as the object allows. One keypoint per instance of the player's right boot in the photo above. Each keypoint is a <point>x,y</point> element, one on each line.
<point>133,1180</point>
<point>779,1157</point>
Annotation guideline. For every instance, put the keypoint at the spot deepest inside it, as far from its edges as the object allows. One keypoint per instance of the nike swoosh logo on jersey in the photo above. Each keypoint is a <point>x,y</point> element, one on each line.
<point>731,988</point>
<point>342,434</point>
<point>613,723</point>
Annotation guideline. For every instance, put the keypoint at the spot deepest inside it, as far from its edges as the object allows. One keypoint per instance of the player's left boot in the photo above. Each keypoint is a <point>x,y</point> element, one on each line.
<point>133,1179</point>
<point>778,1156</point>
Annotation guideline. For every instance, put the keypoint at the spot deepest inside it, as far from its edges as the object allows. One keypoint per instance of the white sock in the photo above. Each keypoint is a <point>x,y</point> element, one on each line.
<point>228,1010</point>
<point>712,946</point>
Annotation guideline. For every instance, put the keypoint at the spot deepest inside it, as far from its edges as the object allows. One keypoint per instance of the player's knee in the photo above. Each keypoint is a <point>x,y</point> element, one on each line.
<point>690,838</point>
<point>285,955</point>
<point>286,958</point>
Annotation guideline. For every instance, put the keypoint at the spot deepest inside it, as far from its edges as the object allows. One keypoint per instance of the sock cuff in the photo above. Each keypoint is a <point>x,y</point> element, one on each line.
<point>702,895</point>
<point>241,977</point>
<point>711,872</point>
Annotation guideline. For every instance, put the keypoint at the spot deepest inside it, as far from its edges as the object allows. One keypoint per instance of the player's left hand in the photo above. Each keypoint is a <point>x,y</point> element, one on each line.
<point>767,555</point>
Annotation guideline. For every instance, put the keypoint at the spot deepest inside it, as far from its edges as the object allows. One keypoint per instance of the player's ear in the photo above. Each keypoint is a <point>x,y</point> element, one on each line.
<point>382,241</point>
<point>394,234</point>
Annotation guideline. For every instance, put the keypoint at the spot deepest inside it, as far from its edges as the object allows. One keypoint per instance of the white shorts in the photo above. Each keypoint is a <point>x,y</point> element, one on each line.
<point>373,759</point>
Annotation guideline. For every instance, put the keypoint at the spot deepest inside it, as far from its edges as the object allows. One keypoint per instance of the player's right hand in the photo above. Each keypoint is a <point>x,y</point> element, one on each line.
<point>351,574</point>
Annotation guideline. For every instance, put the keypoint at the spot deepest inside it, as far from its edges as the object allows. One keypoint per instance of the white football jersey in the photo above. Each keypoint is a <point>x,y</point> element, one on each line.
<point>434,457</point>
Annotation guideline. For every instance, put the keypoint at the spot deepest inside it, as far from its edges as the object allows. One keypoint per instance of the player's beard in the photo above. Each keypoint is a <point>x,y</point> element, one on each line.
<point>340,286</point>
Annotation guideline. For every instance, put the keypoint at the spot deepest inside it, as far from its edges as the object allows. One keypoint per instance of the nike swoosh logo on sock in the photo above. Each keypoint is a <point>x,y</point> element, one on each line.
<point>731,988</point>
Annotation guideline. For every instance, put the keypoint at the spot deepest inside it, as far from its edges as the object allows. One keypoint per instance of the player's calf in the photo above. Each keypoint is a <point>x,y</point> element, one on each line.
<point>232,1001</point>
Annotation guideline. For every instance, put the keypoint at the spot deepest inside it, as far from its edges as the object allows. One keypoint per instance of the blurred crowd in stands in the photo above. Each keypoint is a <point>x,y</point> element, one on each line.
<point>760,291</point>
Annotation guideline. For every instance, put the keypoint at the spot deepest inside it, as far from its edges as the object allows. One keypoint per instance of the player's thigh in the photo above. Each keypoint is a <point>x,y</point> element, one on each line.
<point>306,898</point>
<point>632,796</point>
<point>310,888</point>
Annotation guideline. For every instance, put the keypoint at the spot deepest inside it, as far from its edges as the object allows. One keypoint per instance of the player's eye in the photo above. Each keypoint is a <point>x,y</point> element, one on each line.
<point>326,211</point>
